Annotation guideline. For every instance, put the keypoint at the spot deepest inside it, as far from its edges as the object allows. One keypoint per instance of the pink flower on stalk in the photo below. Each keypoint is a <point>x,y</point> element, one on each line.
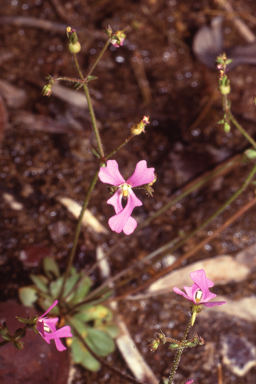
<point>199,293</point>
<point>116,43</point>
<point>45,325</point>
<point>110,174</point>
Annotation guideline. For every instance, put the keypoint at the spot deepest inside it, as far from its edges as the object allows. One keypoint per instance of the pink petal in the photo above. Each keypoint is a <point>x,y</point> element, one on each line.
<point>40,327</point>
<point>179,292</point>
<point>48,310</point>
<point>62,332</point>
<point>142,175</point>
<point>117,222</point>
<point>51,323</point>
<point>110,174</point>
<point>130,226</point>
<point>116,201</point>
<point>191,291</point>
<point>199,276</point>
<point>212,304</point>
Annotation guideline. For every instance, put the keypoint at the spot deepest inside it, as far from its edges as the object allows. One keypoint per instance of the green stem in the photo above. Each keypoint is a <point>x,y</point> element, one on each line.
<point>119,147</point>
<point>98,58</point>
<point>178,355</point>
<point>77,233</point>
<point>91,110</point>
<point>241,129</point>
<point>66,78</point>
<point>93,118</point>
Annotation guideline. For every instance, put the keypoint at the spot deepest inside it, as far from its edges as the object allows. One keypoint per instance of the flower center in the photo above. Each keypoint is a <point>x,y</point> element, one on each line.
<point>198,296</point>
<point>125,189</point>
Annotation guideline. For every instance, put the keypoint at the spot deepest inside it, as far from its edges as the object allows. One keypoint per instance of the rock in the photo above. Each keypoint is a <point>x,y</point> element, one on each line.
<point>239,354</point>
<point>221,270</point>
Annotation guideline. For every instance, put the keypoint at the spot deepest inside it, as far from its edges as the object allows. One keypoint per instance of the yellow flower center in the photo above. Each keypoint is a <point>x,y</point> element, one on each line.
<point>125,189</point>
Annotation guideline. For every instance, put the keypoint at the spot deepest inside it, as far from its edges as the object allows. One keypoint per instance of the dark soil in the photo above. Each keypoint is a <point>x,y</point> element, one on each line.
<point>50,161</point>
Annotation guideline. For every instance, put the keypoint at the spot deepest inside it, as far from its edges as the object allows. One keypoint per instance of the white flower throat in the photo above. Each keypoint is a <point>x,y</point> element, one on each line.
<point>198,295</point>
<point>125,188</point>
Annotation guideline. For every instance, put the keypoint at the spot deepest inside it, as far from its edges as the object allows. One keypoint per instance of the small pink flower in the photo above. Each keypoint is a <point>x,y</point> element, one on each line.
<point>199,293</point>
<point>110,174</point>
<point>190,381</point>
<point>116,43</point>
<point>46,328</point>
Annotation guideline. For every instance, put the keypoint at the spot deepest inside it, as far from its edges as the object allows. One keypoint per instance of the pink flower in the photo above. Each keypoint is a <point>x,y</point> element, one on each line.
<point>45,325</point>
<point>190,381</point>
<point>199,292</point>
<point>110,174</point>
<point>116,43</point>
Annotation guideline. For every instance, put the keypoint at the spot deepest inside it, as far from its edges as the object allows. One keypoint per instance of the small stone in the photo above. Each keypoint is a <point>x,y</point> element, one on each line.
<point>239,354</point>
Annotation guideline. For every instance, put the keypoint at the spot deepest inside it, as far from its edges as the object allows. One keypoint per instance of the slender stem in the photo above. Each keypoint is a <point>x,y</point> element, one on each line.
<point>98,58</point>
<point>78,66</point>
<point>93,118</point>
<point>90,107</point>
<point>77,233</point>
<point>119,147</point>
<point>178,355</point>
<point>66,78</point>
<point>241,129</point>
<point>103,362</point>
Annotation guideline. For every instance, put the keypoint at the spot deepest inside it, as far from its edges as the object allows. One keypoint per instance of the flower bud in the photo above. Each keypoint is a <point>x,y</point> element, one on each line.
<point>225,89</point>
<point>74,45</point>
<point>137,129</point>
<point>153,344</point>
<point>47,90</point>
<point>74,48</point>
<point>108,31</point>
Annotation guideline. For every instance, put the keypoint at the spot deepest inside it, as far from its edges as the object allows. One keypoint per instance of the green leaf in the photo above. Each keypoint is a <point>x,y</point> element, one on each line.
<point>111,329</point>
<point>40,281</point>
<point>99,342</point>
<point>79,326</point>
<point>82,356</point>
<point>81,290</point>
<point>55,286</point>
<point>51,268</point>
<point>93,312</point>
<point>46,302</point>
<point>28,296</point>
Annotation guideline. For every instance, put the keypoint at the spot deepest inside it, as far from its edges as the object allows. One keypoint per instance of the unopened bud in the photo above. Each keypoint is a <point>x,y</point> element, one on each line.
<point>74,45</point>
<point>153,344</point>
<point>225,89</point>
<point>137,129</point>
<point>47,90</point>
<point>108,31</point>
<point>162,337</point>
<point>74,48</point>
